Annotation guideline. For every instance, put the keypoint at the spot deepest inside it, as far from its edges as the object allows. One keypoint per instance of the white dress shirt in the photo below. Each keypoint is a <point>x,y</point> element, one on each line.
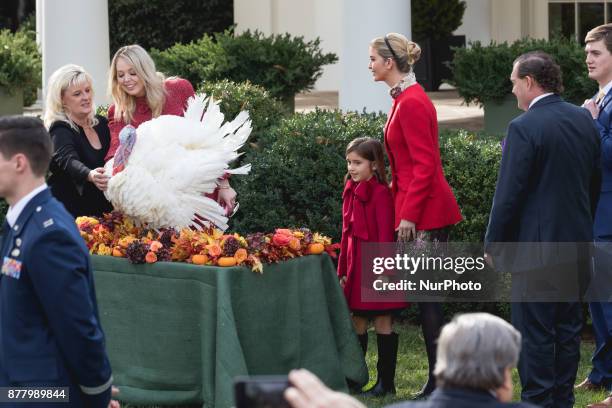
<point>537,98</point>
<point>15,211</point>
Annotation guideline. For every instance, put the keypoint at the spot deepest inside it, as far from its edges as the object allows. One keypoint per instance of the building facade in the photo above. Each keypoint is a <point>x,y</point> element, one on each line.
<point>342,23</point>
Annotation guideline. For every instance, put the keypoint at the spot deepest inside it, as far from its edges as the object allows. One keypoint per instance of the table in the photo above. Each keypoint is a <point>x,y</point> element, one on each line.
<point>178,333</point>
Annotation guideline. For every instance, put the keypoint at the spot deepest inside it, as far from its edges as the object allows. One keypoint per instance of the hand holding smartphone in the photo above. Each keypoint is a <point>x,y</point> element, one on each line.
<point>263,391</point>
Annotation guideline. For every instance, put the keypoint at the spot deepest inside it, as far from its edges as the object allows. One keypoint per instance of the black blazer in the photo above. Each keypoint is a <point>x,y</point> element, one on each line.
<point>549,178</point>
<point>461,398</point>
<point>73,158</point>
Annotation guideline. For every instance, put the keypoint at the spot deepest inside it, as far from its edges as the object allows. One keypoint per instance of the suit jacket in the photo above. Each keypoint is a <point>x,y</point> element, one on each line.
<point>420,190</point>
<point>461,398</point>
<point>602,228</point>
<point>50,332</point>
<point>547,180</point>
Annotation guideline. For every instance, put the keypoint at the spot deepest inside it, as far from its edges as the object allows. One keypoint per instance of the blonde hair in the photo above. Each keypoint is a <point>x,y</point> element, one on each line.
<point>63,78</point>
<point>602,32</point>
<point>153,82</point>
<point>404,52</point>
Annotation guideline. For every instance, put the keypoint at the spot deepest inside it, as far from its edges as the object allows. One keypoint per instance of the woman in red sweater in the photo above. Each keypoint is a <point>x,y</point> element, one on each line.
<point>140,93</point>
<point>425,206</point>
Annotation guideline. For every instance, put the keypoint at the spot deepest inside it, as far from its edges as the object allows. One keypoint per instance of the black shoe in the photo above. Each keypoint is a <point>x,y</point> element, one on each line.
<point>387,359</point>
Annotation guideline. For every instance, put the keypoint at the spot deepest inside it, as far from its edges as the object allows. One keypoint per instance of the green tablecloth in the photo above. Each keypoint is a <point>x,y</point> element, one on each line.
<point>179,333</point>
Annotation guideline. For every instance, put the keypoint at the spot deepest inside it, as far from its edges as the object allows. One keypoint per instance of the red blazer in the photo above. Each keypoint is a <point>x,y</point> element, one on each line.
<point>420,190</point>
<point>367,216</point>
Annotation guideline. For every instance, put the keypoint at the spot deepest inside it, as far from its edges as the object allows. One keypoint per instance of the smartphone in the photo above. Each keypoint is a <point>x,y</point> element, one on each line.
<point>261,391</point>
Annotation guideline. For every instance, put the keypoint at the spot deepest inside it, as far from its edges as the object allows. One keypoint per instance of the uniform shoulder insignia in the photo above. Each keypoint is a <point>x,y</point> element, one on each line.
<point>48,223</point>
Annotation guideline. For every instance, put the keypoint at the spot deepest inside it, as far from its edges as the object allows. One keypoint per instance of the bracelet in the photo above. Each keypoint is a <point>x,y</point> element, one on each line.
<point>223,187</point>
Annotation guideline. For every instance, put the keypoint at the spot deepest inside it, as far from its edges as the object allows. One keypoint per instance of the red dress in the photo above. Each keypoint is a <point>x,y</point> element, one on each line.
<point>420,190</point>
<point>367,216</point>
<point>178,91</point>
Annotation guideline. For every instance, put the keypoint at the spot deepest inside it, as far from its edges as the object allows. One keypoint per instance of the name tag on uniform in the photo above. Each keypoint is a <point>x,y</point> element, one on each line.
<point>11,267</point>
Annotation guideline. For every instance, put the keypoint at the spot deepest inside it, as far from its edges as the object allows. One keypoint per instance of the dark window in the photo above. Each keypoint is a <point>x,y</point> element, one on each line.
<point>590,15</point>
<point>561,20</point>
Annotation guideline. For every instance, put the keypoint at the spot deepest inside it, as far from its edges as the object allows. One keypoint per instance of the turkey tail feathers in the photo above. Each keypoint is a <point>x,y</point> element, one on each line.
<point>176,161</point>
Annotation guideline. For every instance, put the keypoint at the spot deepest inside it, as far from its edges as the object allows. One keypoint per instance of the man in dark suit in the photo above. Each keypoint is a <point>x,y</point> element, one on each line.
<point>50,333</point>
<point>476,355</point>
<point>599,63</point>
<point>545,191</point>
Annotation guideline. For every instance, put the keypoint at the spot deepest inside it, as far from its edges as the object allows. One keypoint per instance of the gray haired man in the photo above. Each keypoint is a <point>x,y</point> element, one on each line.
<point>476,355</point>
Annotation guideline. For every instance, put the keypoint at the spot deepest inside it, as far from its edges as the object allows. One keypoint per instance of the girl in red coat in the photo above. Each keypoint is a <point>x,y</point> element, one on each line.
<point>425,206</point>
<point>367,216</point>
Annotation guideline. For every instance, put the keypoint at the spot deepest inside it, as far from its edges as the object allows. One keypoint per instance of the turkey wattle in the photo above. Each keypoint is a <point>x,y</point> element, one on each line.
<point>162,170</point>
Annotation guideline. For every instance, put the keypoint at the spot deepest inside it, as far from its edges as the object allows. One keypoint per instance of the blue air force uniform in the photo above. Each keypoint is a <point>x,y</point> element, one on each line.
<point>50,333</point>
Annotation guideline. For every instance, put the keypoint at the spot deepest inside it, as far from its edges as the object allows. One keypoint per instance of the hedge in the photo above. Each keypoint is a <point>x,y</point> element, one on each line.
<point>264,110</point>
<point>482,73</point>
<point>20,64</point>
<point>297,180</point>
<point>282,64</point>
<point>161,23</point>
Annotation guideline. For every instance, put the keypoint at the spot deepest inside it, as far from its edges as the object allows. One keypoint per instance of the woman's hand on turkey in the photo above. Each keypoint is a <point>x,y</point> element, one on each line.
<point>227,198</point>
<point>406,231</point>
<point>98,178</point>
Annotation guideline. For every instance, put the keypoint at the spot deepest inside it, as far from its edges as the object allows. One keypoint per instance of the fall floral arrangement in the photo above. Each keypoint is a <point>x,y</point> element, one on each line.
<point>116,235</point>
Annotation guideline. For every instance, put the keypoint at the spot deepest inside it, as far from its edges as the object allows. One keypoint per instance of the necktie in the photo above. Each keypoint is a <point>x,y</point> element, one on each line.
<point>600,97</point>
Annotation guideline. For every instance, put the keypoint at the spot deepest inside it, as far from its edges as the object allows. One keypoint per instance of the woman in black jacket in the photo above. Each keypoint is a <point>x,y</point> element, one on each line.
<point>81,140</point>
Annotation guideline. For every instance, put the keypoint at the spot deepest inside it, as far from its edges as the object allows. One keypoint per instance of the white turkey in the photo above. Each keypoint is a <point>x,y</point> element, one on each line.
<point>162,170</point>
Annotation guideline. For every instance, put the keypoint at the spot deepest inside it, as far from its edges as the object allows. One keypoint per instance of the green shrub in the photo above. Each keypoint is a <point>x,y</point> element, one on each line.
<point>482,73</point>
<point>161,23</point>
<point>20,64</point>
<point>298,179</point>
<point>436,19</point>
<point>471,164</point>
<point>264,110</point>
<point>282,64</point>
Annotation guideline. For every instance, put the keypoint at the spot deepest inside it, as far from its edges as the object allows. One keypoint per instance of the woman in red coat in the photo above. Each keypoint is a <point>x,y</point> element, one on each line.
<point>425,206</point>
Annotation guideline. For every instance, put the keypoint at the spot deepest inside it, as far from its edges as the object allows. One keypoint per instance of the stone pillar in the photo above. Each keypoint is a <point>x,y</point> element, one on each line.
<point>507,20</point>
<point>364,20</point>
<point>75,32</point>
<point>254,15</point>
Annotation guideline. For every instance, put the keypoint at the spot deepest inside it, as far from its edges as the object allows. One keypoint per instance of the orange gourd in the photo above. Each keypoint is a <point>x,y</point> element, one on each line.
<point>199,259</point>
<point>226,261</point>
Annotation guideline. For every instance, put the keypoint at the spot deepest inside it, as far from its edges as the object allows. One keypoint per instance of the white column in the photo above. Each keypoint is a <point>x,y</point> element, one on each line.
<point>328,27</point>
<point>75,32</point>
<point>506,20</point>
<point>254,15</point>
<point>476,24</point>
<point>364,20</point>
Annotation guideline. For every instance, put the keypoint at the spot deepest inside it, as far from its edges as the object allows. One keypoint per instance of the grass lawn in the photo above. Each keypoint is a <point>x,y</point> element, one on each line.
<point>411,371</point>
